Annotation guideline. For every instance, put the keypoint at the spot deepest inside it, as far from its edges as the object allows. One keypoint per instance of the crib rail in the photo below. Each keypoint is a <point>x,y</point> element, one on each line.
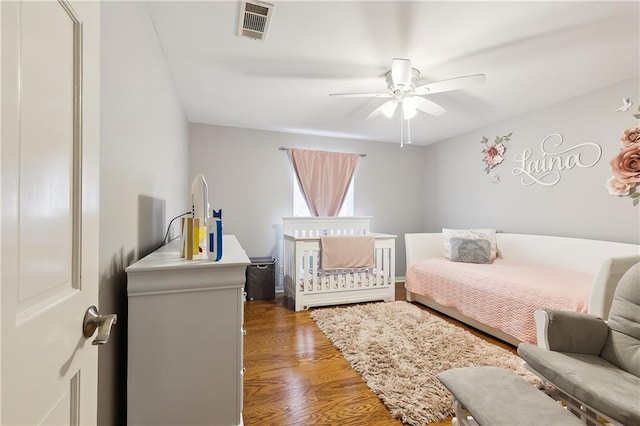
<point>309,285</point>
<point>319,226</point>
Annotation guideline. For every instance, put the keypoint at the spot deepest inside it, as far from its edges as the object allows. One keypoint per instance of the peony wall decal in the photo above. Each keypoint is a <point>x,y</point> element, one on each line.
<point>493,154</point>
<point>625,167</point>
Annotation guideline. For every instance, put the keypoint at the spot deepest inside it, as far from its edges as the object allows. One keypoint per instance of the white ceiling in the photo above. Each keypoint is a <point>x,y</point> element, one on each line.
<point>533,54</point>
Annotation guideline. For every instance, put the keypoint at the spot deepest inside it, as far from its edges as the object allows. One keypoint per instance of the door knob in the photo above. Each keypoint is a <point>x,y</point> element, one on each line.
<point>93,320</point>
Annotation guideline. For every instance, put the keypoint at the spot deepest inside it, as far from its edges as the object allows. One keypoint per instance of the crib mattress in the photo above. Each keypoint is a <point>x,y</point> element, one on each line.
<point>503,294</point>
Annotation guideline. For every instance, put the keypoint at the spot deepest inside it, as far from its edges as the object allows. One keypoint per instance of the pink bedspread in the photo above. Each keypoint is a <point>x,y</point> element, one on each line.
<point>503,294</point>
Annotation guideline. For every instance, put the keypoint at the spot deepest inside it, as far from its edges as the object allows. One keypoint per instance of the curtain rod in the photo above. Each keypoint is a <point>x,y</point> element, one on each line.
<point>282,148</point>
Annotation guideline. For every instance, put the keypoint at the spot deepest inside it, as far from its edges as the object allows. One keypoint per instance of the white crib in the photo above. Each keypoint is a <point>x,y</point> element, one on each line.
<point>308,285</point>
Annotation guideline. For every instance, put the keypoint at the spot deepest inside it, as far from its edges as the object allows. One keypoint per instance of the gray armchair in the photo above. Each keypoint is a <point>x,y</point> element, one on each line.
<point>591,364</point>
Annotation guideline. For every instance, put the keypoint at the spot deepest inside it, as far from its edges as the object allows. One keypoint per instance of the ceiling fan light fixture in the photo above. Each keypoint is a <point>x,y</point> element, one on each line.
<point>410,107</point>
<point>389,108</point>
<point>409,113</point>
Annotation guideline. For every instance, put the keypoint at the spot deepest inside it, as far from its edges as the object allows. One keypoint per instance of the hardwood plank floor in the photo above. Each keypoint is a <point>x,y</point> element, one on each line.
<point>295,376</point>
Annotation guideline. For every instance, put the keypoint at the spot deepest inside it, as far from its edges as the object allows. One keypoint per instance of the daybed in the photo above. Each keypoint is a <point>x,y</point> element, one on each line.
<point>309,283</point>
<point>532,272</point>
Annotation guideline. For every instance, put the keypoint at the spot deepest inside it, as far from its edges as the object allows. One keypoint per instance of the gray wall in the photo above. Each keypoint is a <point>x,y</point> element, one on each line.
<point>251,180</point>
<point>143,174</point>
<point>458,193</point>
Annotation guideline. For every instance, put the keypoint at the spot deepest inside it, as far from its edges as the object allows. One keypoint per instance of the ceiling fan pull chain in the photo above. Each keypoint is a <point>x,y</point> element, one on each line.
<point>401,127</point>
<point>408,131</point>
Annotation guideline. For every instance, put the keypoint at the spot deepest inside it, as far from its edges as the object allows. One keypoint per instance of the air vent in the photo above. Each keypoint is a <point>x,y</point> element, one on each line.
<point>254,19</point>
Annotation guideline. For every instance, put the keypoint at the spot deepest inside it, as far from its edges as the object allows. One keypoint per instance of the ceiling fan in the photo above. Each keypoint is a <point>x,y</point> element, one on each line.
<point>401,88</point>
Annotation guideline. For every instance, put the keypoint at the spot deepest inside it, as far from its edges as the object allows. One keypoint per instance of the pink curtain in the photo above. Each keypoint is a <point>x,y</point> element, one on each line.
<point>324,178</point>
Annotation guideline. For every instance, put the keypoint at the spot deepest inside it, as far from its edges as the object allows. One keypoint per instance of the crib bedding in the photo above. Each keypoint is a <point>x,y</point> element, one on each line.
<point>502,294</point>
<point>347,252</point>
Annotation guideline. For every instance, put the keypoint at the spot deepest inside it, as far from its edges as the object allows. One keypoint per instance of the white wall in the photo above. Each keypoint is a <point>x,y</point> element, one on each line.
<point>143,173</point>
<point>252,181</point>
<point>458,193</point>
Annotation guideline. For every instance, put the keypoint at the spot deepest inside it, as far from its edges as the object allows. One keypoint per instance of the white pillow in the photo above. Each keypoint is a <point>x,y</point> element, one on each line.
<point>469,234</point>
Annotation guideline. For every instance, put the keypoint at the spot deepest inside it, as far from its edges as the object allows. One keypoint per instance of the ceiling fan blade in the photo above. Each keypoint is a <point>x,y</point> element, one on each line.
<point>430,107</point>
<point>450,84</point>
<point>387,109</point>
<point>363,95</point>
<point>401,72</point>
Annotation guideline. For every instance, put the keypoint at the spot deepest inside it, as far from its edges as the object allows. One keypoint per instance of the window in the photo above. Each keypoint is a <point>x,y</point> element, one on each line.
<point>325,178</point>
<point>300,205</point>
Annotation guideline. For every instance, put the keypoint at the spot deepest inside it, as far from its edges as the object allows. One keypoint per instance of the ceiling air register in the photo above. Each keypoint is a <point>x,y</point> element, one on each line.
<point>254,19</point>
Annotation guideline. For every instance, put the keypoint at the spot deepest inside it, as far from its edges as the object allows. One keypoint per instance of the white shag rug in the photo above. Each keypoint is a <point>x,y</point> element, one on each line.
<point>399,348</point>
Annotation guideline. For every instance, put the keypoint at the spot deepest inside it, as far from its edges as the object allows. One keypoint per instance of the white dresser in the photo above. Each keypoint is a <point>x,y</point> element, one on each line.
<point>185,338</point>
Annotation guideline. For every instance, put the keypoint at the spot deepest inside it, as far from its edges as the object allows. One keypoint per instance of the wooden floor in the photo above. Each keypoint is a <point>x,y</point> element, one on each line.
<point>295,376</point>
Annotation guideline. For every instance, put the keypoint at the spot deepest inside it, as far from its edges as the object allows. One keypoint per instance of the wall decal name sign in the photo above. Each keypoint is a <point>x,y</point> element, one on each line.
<point>546,170</point>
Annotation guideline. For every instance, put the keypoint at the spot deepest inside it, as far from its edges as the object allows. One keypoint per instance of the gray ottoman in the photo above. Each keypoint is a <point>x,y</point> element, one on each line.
<point>495,397</point>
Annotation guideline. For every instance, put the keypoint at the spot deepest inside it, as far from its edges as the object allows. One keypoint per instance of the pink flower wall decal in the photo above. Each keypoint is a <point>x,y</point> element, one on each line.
<point>630,137</point>
<point>493,154</point>
<point>617,187</point>
<point>625,167</point>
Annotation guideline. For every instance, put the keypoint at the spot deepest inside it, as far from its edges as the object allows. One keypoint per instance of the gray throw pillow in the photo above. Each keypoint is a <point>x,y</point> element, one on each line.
<point>470,251</point>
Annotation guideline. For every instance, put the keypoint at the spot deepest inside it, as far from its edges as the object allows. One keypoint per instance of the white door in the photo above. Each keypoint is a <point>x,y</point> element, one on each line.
<point>50,144</point>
